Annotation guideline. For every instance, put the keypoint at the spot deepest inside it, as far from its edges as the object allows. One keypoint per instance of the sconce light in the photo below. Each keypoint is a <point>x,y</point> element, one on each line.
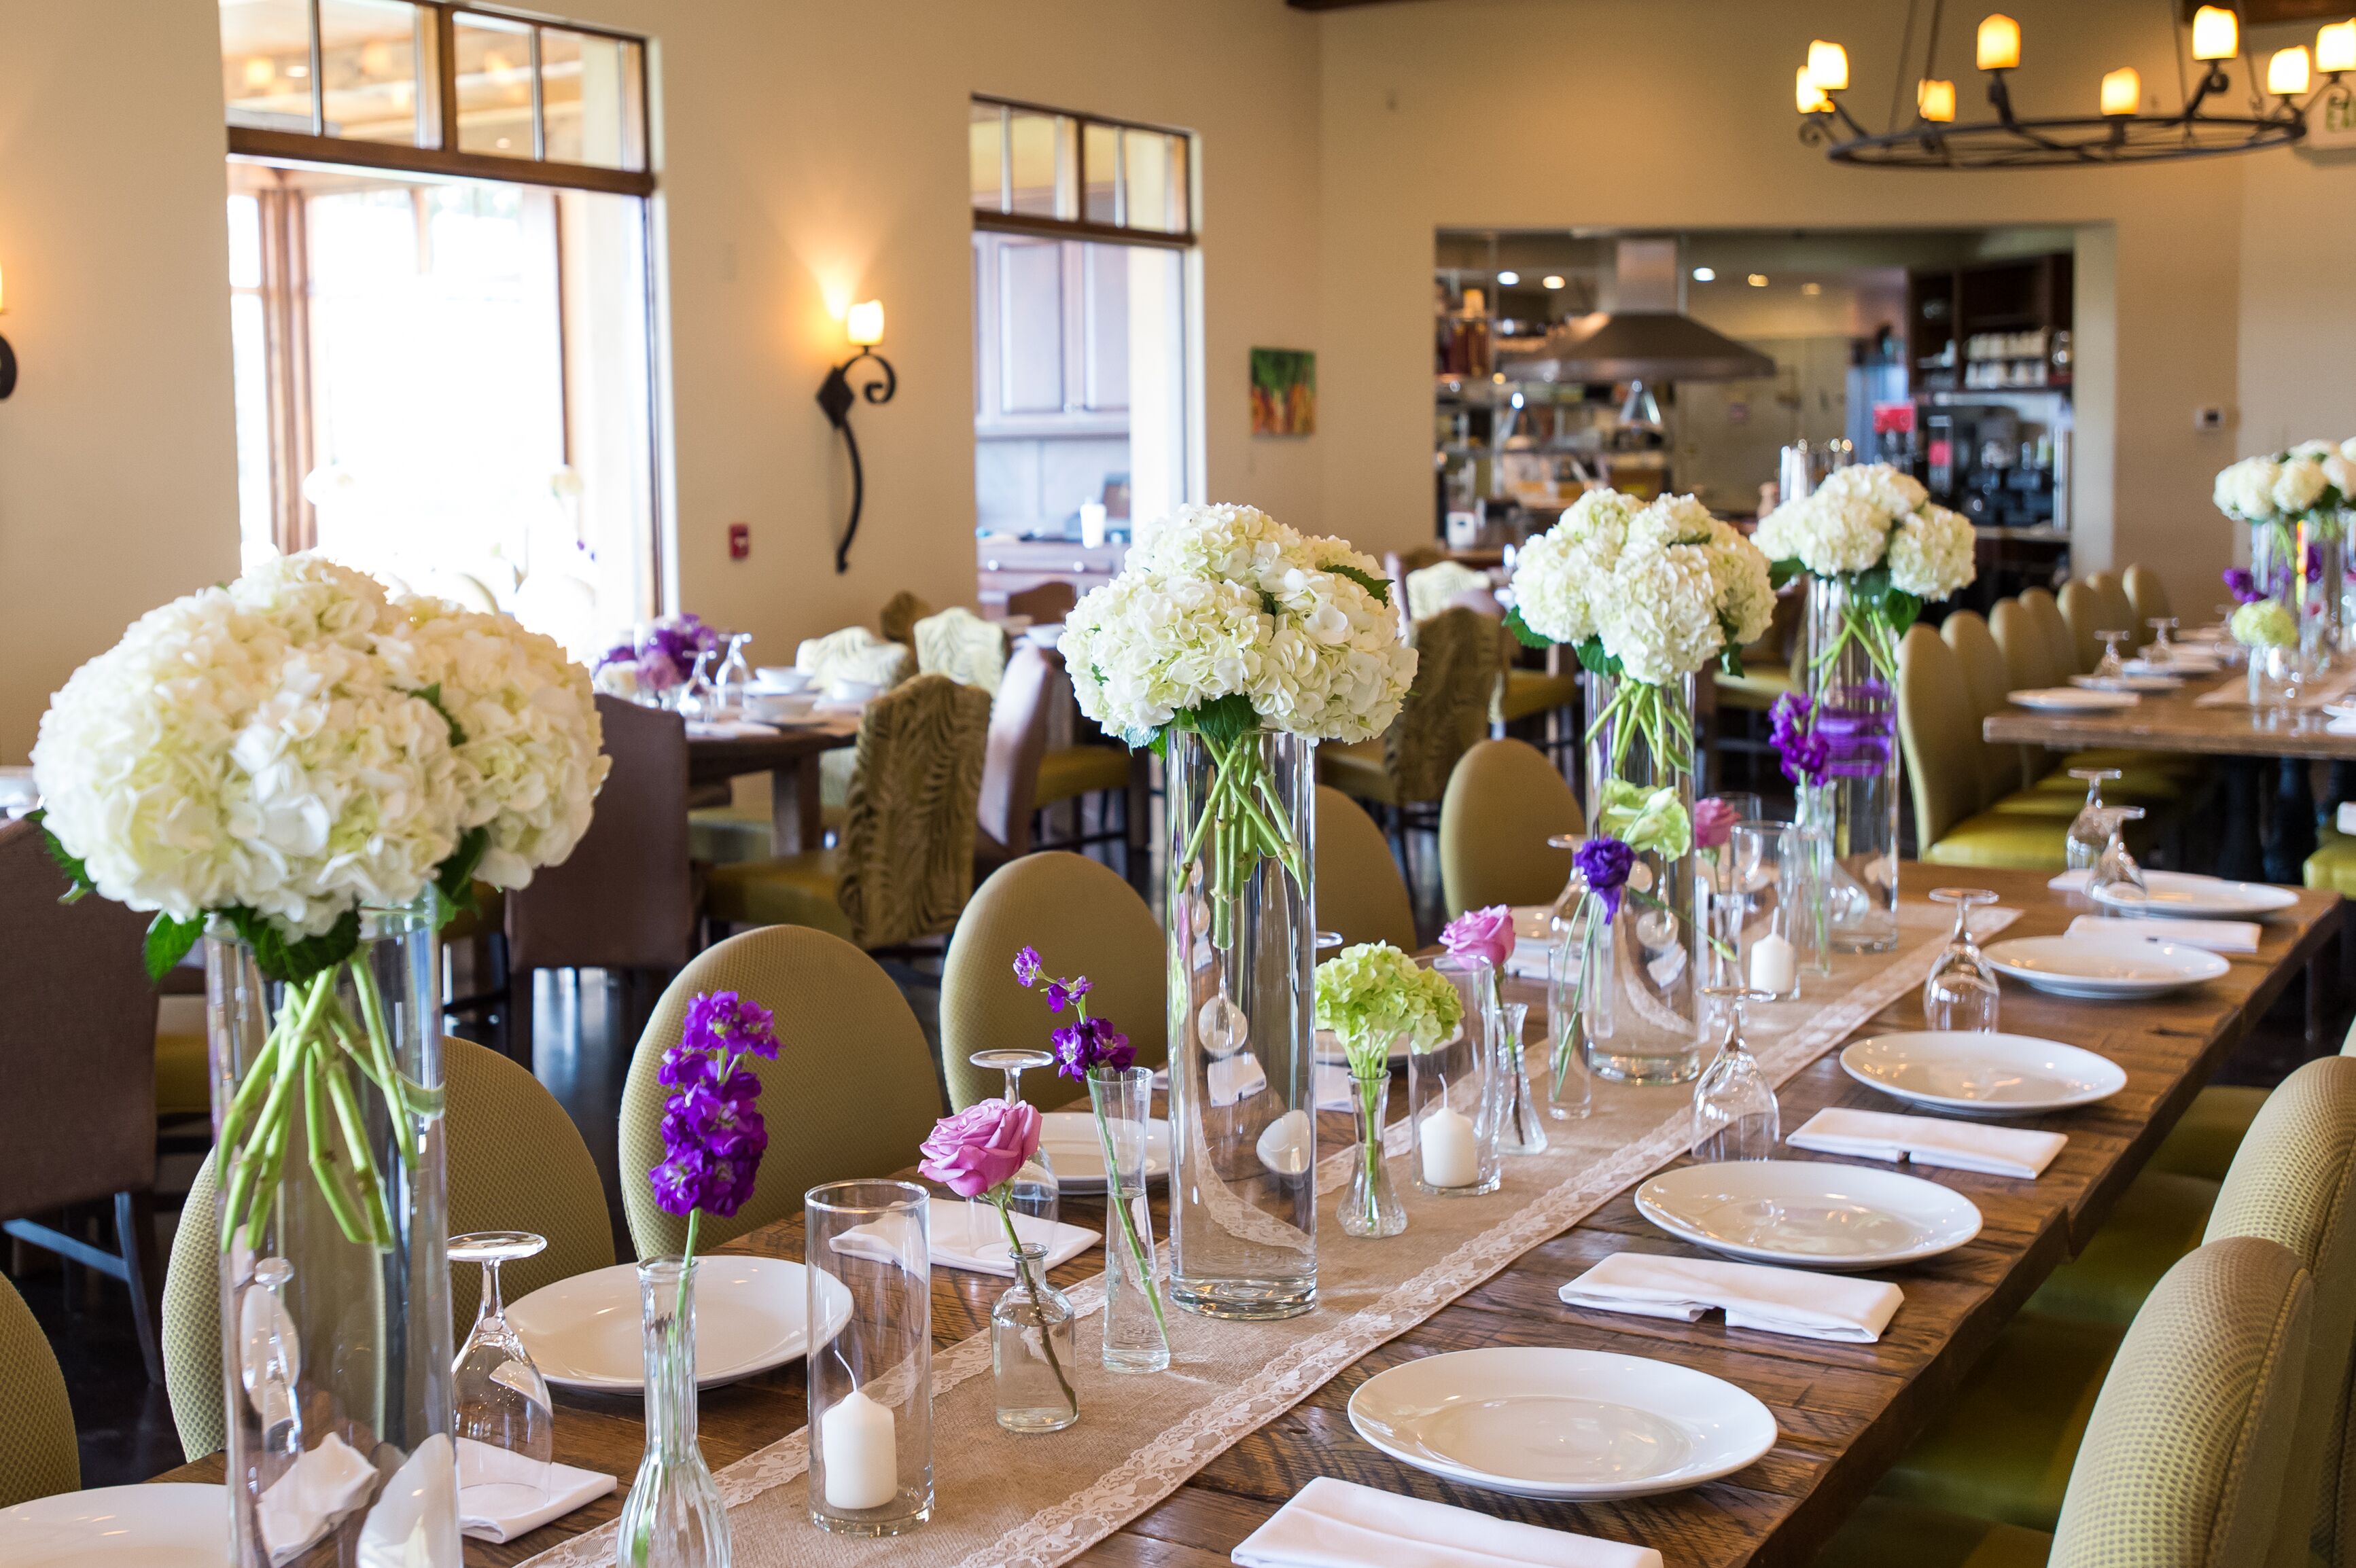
<point>863,325</point>
<point>7,357</point>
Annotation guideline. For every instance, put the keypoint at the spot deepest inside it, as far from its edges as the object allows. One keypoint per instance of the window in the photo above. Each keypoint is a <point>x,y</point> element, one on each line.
<point>1038,170</point>
<point>446,381</point>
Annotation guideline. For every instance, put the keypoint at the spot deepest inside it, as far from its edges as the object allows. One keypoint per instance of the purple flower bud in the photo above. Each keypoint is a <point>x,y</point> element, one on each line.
<point>1603,863</point>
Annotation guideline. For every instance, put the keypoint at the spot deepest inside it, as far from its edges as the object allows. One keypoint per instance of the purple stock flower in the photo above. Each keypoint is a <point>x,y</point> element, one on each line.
<point>2243,585</point>
<point>1857,725</point>
<point>1027,968</point>
<point>1603,863</point>
<point>723,1020</point>
<point>1803,753</point>
<point>713,1132</point>
<point>1061,993</point>
<point>1092,1042</point>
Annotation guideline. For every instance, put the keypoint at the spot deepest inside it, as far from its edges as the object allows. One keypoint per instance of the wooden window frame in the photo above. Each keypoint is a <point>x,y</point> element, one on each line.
<point>444,158</point>
<point>1004,222</point>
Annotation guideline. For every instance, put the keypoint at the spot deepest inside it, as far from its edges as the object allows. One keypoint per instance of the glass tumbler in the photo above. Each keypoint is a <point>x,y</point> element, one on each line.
<point>1454,1094</point>
<point>869,1257</point>
<point>1765,867</point>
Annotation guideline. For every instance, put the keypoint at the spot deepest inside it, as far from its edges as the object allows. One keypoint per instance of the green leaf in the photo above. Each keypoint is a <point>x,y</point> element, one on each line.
<point>1521,630</point>
<point>280,959</point>
<point>168,942</point>
<point>1380,587</point>
<point>1780,572</point>
<point>1595,661</point>
<point>1729,660</point>
<point>1899,609</point>
<point>1221,719</point>
<point>76,873</point>
<point>454,879</point>
<point>433,694</point>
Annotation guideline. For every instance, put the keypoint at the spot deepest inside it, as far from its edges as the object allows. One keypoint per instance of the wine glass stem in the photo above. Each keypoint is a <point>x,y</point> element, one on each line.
<point>1014,1084</point>
<point>493,1308</point>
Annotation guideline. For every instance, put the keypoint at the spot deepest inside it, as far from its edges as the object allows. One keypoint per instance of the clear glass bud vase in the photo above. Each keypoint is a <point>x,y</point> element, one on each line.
<point>673,1516</point>
<point>1370,1204</point>
<point>1136,1330</point>
<point>1030,1355</point>
<point>332,1218</point>
<point>1852,676</point>
<point>1243,1124</point>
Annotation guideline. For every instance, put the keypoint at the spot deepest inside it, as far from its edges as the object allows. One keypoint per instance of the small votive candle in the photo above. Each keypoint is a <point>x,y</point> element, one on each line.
<point>862,1468</point>
<point>1451,1156</point>
<point>1774,964</point>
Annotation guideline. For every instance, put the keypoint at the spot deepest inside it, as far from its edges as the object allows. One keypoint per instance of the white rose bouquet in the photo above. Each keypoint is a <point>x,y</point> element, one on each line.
<point>1227,625</point>
<point>1646,593</point>
<point>269,758</point>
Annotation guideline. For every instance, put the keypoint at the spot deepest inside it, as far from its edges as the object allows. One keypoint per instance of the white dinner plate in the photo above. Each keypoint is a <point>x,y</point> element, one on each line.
<point>2133,680</point>
<point>2101,971</point>
<point>167,1525</point>
<point>2070,699</point>
<point>2180,895</point>
<point>1069,1138</point>
<point>751,1314</point>
<point>2188,661</point>
<point>1981,1073</point>
<point>1809,1214</point>
<point>1545,1422</point>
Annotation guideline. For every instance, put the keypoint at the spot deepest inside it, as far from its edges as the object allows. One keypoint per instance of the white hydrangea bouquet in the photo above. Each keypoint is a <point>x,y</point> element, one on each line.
<point>1873,527</point>
<point>2313,482</point>
<point>1227,625</point>
<point>268,759</point>
<point>1646,593</point>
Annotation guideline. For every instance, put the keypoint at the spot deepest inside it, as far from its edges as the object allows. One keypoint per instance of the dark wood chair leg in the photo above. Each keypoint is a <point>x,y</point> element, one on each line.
<point>134,1233</point>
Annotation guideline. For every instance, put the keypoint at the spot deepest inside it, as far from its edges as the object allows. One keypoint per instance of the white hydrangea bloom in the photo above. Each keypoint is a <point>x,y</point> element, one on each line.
<point>2280,488</point>
<point>1930,552</point>
<point>531,765</point>
<point>1868,515</point>
<point>1665,587</point>
<point>1836,531</point>
<point>2299,485</point>
<point>1553,572</point>
<point>2339,471</point>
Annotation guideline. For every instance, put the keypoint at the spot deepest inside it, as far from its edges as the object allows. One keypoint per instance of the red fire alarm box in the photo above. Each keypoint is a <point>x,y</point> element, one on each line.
<point>739,540</point>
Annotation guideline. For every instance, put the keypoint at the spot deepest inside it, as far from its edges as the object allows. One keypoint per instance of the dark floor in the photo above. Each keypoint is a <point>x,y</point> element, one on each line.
<point>586,1024</point>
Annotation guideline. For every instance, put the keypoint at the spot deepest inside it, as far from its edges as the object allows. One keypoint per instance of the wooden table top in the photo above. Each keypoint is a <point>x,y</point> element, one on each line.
<point>1844,1411</point>
<point>2171,721</point>
<point>717,760</point>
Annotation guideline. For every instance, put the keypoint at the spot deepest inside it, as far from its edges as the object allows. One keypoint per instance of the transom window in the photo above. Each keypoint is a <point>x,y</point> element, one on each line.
<point>1038,171</point>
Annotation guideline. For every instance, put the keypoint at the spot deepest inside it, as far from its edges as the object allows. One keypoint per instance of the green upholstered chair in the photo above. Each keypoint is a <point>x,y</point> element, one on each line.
<point>1528,693</point>
<point>514,1162</point>
<point>1770,665</point>
<point>2027,659</point>
<point>2117,610</point>
<point>1095,766</point>
<point>2010,768</point>
<point>1360,893</point>
<point>2082,615</point>
<point>904,865</point>
<point>1503,803</point>
<point>1946,772</point>
<point>38,1455</point>
<point>855,653</point>
<point>1083,919</point>
<point>2186,1448</point>
<point>897,620</point>
<point>2147,593</point>
<point>1431,588</point>
<point>2060,642</point>
<point>1445,713</point>
<point>2004,1450</point>
<point>2333,864</point>
<point>2038,652</point>
<point>960,645</point>
<point>852,1094</point>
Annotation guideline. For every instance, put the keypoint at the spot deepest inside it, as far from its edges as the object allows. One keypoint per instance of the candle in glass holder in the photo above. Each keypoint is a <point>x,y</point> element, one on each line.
<point>863,1468</point>
<point>1451,1156</point>
<point>1774,964</point>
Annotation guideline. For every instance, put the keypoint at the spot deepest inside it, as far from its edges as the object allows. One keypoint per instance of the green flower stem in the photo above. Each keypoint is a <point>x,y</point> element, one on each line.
<point>1370,1139</point>
<point>395,1087</point>
<point>377,1211</point>
<point>999,1197</point>
<point>1668,731</point>
<point>1117,1202</point>
<point>1242,822</point>
<point>1869,630</point>
<point>325,1169</point>
<point>1590,910</point>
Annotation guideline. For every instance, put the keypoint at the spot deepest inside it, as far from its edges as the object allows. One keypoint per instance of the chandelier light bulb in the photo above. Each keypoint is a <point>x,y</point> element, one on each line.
<point>2286,72</point>
<point>1809,96</point>
<point>2122,91</point>
<point>1999,42</point>
<point>2335,47</point>
<point>2216,34</point>
<point>1829,66</point>
<point>1934,98</point>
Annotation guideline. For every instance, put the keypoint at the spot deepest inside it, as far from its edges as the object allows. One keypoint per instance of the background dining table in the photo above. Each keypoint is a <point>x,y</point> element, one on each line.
<point>790,759</point>
<point>1844,1411</point>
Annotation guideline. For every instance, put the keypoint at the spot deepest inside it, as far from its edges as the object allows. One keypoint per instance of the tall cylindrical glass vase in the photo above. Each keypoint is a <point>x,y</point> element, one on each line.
<point>1243,1214</point>
<point>1852,674</point>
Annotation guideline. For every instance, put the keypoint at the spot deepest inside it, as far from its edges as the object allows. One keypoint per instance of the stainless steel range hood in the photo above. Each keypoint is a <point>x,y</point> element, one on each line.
<point>1642,337</point>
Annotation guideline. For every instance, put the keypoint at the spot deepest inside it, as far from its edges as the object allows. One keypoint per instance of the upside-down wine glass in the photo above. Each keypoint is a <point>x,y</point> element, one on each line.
<point>1962,992</point>
<point>2117,872</point>
<point>2160,650</point>
<point>2111,666</point>
<point>2090,828</point>
<point>500,1397</point>
<point>1034,1188</point>
<point>736,675</point>
<point>1734,1109</point>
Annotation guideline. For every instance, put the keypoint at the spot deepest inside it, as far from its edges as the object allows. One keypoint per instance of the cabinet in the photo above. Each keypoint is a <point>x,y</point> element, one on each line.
<point>1051,392</point>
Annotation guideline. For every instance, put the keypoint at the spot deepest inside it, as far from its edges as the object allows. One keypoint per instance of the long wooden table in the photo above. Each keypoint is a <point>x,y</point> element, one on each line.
<point>1844,1411</point>
<point>790,759</point>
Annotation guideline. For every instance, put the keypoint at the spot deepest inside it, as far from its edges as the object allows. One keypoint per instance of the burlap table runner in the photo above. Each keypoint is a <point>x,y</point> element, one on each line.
<point>1004,1501</point>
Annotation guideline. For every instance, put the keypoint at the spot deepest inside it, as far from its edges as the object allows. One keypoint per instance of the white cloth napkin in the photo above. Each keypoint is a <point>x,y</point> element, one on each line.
<point>1338,1524</point>
<point>1930,1140</point>
<point>1777,1300</point>
<point>502,1495</point>
<point>313,1497</point>
<point>729,730</point>
<point>983,1249</point>
<point>2347,819</point>
<point>2216,936</point>
<point>2070,881</point>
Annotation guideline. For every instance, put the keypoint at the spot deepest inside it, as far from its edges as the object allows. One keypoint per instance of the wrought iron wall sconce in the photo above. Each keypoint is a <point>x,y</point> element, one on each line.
<point>7,357</point>
<point>865,327</point>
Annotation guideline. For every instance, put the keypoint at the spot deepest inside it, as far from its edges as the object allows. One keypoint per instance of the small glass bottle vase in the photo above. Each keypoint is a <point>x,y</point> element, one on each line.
<point>673,1516</point>
<point>1136,1328</point>
<point>1370,1204</point>
<point>1031,1349</point>
<point>1852,671</point>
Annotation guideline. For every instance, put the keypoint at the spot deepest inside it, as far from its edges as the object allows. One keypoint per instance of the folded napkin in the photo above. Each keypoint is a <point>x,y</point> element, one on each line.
<point>2347,819</point>
<point>1930,1140</point>
<point>2070,881</point>
<point>502,1495</point>
<point>983,1249</point>
<point>1777,1300</point>
<point>2216,936</point>
<point>311,1498</point>
<point>1338,1524</point>
<point>729,730</point>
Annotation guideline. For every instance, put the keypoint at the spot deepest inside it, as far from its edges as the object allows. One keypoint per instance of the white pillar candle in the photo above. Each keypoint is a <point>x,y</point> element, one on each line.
<point>1450,1157</point>
<point>862,1468</point>
<point>1774,964</point>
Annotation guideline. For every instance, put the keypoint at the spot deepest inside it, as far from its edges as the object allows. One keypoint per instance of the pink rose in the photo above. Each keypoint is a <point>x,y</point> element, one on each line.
<point>980,1147</point>
<point>1483,934</point>
<point>1714,822</point>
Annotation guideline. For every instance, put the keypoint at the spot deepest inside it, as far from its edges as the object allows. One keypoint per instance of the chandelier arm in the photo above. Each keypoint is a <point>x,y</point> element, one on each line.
<point>1905,47</point>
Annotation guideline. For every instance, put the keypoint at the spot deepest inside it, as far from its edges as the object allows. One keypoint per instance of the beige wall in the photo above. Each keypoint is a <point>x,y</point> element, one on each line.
<point>118,475</point>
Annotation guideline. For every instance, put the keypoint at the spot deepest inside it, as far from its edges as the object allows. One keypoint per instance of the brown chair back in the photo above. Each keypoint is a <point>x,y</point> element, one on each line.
<point>77,1038</point>
<point>1459,663</point>
<point>1047,601</point>
<point>626,898</point>
<point>901,613</point>
<point>1010,765</point>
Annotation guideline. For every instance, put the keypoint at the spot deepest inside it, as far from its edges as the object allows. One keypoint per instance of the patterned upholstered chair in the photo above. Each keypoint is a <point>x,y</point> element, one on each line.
<point>1431,588</point>
<point>37,1456</point>
<point>960,645</point>
<point>855,653</point>
<point>904,865</point>
<point>2187,1446</point>
<point>899,617</point>
<point>1360,893</point>
<point>852,1095</point>
<point>516,1162</point>
<point>1083,919</point>
<point>1502,804</point>
<point>1445,713</point>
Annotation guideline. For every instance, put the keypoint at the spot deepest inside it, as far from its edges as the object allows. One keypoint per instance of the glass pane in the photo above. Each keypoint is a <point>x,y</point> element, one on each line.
<point>1045,179</point>
<point>494,86</point>
<point>1102,168</point>
<point>368,54</point>
<point>1145,158</point>
<point>986,156</point>
<point>634,106</point>
<point>1181,188</point>
<point>583,99</point>
<point>266,63</point>
<point>244,241</point>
